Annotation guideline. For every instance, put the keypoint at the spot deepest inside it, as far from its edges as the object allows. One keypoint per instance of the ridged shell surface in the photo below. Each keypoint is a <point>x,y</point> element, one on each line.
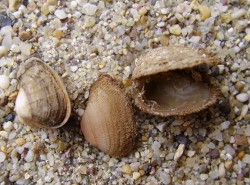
<point>169,58</point>
<point>108,121</point>
<point>165,83</point>
<point>42,100</point>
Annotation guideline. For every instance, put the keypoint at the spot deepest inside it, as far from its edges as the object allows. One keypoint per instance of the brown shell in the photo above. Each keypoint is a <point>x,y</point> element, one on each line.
<point>108,121</point>
<point>164,83</point>
<point>42,100</point>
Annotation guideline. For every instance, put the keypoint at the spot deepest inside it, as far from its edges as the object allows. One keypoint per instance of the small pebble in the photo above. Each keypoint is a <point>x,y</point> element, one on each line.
<point>229,165</point>
<point>156,148</point>
<point>126,169</point>
<point>29,156</point>
<point>239,13</point>
<point>136,175</point>
<point>246,159</point>
<point>89,9</point>
<point>25,48</point>
<point>189,182</point>
<point>14,4</point>
<point>2,157</point>
<point>4,82</point>
<point>20,141</point>
<point>175,30</point>
<point>203,177</point>
<point>225,107</point>
<point>161,24</point>
<point>7,126</point>
<point>214,154</point>
<point>241,140</point>
<point>15,48</point>
<point>222,170</point>
<point>247,38</point>
<point>3,51</point>
<point>81,169</point>
<point>205,12</point>
<point>25,35</point>
<point>225,125</point>
<point>60,14</point>
<point>179,152</point>
<point>4,134</point>
<point>165,177</point>
<point>162,126</point>
<point>58,34</point>
<point>242,97</point>
<point>241,154</point>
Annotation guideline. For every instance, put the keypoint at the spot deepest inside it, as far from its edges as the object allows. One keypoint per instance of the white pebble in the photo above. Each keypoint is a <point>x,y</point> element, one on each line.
<point>237,14</point>
<point>222,170</point>
<point>136,175</point>
<point>177,122</point>
<point>60,14</point>
<point>156,148</point>
<point>135,166</point>
<point>162,126</point>
<point>165,178</point>
<point>7,41</point>
<point>179,152</point>
<point>235,67</point>
<point>189,182</point>
<point>242,97</point>
<point>221,68</point>
<point>73,4</point>
<point>225,125</point>
<point>164,10</point>
<point>161,24</point>
<point>29,157</point>
<point>135,14</point>
<point>15,48</point>
<point>2,157</point>
<point>50,158</point>
<point>25,48</point>
<point>190,153</point>
<point>3,51</point>
<point>211,145</point>
<point>203,177</point>
<point>7,126</point>
<point>4,82</point>
<point>246,159</point>
<point>74,68</point>
<point>89,9</point>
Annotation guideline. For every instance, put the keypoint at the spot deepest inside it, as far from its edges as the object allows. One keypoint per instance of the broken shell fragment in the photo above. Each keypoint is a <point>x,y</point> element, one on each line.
<point>108,121</point>
<point>167,81</point>
<point>42,100</point>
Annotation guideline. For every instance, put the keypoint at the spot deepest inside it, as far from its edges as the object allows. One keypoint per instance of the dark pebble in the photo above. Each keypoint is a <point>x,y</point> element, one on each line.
<point>9,117</point>
<point>6,20</point>
<point>175,145</point>
<point>225,107</point>
<point>147,168</point>
<point>200,138</point>
<point>25,2</point>
<point>203,68</point>
<point>182,139</point>
<point>214,154</point>
<point>214,71</point>
<point>203,168</point>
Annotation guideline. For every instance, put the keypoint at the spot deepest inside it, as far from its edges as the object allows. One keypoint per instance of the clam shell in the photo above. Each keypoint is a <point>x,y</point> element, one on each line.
<point>164,84</point>
<point>42,100</point>
<point>108,121</point>
<point>169,58</point>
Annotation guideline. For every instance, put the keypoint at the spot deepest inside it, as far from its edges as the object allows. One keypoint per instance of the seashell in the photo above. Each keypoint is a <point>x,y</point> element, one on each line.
<point>167,82</point>
<point>42,100</point>
<point>108,121</point>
